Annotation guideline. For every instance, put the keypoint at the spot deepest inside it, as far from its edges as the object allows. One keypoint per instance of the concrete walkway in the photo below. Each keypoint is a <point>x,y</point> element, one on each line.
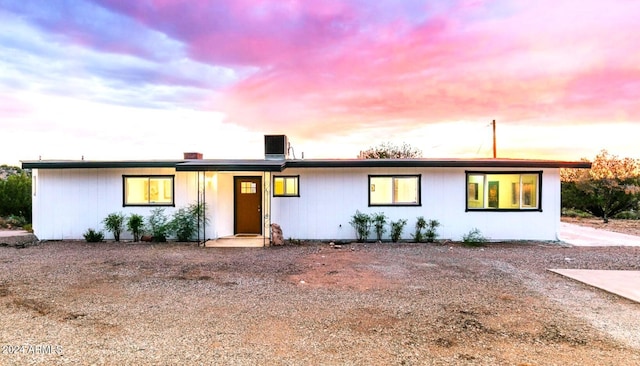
<point>589,237</point>
<point>10,233</point>
<point>621,283</point>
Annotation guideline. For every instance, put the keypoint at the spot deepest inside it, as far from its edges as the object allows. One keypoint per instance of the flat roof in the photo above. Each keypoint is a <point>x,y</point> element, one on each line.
<point>266,165</point>
<point>436,163</point>
<point>86,164</point>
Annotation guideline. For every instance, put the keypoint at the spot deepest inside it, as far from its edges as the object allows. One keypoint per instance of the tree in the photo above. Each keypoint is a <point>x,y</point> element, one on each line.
<point>388,150</point>
<point>15,196</point>
<point>611,186</point>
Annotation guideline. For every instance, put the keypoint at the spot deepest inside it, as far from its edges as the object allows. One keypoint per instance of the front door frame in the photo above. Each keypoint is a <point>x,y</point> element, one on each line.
<point>258,179</point>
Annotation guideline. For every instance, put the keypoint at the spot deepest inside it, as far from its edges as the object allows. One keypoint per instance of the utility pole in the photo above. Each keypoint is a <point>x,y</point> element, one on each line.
<point>494,138</point>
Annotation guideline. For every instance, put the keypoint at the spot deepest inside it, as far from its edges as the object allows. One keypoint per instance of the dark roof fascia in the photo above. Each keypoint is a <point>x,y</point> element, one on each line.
<point>232,166</point>
<point>86,164</point>
<point>280,165</point>
<point>433,163</point>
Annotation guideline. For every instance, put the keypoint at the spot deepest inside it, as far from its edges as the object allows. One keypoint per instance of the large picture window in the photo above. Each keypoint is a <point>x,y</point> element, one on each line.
<point>397,190</point>
<point>148,190</point>
<point>509,191</point>
<point>286,186</point>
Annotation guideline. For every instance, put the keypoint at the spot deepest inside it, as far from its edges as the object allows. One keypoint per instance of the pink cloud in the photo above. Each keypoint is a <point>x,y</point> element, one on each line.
<point>11,107</point>
<point>519,67</point>
<point>243,32</point>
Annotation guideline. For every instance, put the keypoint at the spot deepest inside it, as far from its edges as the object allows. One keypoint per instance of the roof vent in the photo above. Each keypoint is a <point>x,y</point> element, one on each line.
<point>192,156</point>
<point>276,147</point>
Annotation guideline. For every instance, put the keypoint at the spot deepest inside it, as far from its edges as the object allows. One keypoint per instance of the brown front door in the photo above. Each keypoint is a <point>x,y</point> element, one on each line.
<point>247,195</point>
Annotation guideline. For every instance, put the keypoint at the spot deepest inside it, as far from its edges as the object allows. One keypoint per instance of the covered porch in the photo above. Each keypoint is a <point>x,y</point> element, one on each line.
<point>237,196</point>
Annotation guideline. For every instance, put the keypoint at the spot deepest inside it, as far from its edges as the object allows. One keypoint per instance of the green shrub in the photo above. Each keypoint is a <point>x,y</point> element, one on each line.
<point>16,220</point>
<point>628,215</point>
<point>396,229</point>
<point>93,236</point>
<point>379,221</point>
<point>474,238</point>
<point>573,212</point>
<point>361,222</point>
<point>114,223</point>
<point>431,233</point>
<point>421,224</point>
<point>28,227</point>
<point>184,222</point>
<point>135,224</point>
<point>158,225</point>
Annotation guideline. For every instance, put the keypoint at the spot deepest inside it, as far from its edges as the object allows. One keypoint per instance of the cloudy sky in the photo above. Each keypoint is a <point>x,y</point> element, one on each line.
<point>121,79</point>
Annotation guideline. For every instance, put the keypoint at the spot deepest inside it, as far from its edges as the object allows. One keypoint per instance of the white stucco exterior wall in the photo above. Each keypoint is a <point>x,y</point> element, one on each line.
<point>329,197</point>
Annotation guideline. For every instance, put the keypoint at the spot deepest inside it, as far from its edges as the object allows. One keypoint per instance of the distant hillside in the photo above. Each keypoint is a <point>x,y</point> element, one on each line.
<point>6,171</point>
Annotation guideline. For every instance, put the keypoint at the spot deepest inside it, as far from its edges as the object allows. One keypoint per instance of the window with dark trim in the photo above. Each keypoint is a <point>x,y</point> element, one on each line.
<point>394,190</point>
<point>148,190</point>
<point>503,191</point>
<point>286,186</point>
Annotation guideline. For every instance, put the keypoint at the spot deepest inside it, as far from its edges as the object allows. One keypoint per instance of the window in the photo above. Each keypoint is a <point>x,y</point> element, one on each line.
<point>510,191</point>
<point>248,188</point>
<point>148,190</point>
<point>397,190</point>
<point>286,186</point>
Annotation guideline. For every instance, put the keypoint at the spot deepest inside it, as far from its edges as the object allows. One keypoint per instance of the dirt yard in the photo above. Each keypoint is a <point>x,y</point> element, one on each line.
<point>383,304</point>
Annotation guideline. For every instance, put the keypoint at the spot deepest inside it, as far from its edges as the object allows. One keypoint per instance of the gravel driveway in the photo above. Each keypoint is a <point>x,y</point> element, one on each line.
<point>387,304</point>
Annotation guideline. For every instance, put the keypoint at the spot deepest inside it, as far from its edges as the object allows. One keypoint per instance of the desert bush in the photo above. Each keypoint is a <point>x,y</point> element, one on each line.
<point>379,221</point>
<point>474,238</point>
<point>114,223</point>
<point>396,229</point>
<point>431,233</point>
<point>184,222</point>
<point>574,212</point>
<point>628,215</point>
<point>421,224</point>
<point>16,221</point>
<point>93,236</point>
<point>158,225</point>
<point>361,222</point>
<point>135,224</point>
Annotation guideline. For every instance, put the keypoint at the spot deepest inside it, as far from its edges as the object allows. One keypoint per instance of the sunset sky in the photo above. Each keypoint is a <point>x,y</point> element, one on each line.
<point>151,79</point>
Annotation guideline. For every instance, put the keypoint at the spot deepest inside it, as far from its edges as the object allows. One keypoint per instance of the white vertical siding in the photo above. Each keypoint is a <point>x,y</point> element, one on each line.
<point>329,197</point>
<point>69,201</point>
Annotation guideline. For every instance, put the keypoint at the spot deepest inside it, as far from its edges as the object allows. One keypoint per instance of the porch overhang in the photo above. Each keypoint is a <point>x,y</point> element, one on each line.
<point>223,165</point>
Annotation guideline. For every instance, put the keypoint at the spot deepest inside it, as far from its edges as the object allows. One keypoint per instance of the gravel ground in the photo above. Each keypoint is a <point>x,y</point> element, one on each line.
<point>388,304</point>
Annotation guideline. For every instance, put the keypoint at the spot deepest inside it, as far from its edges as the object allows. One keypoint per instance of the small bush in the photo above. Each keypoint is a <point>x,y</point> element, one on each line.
<point>135,224</point>
<point>431,233</point>
<point>16,221</point>
<point>628,215</point>
<point>396,229</point>
<point>158,225</point>
<point>361,222</point>
<point>93,236</point>
<point>28,227</point>
<point>114,223</point>
<point>573,212</point>
<point>474,238</point>
<point>185,221</point>
<point>379,221</point>
<point>421,224</point>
